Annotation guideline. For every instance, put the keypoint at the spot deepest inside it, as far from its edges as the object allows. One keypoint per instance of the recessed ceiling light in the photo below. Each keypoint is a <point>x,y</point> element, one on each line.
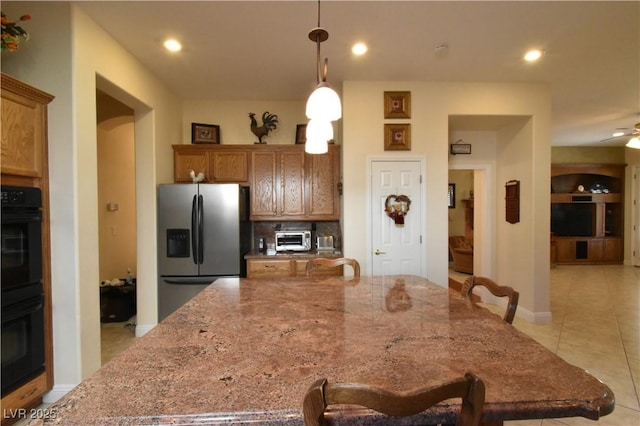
<point>616,134</point>
<point>172,45</point>
<point>359,49</point>
<point>533,55</point>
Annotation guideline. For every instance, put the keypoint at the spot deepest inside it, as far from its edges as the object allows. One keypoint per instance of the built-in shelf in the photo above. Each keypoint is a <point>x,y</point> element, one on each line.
<point>587,208</point>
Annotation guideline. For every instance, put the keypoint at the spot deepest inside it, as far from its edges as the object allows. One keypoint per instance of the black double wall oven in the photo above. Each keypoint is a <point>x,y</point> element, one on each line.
<point>23,349</point>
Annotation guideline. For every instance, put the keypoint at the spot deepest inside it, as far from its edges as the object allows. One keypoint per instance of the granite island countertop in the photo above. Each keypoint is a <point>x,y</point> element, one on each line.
<point>245,351</point>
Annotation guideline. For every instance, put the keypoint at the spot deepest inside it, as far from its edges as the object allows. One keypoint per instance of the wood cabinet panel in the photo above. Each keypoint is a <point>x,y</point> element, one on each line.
<point>263,184</point>
<point>274,268</point>
<point>24,129</point>
<point>291,183</point>
<point>230,166</point>
<point>269,268</point>
<point>186,162</point>
<point>324,178</point>
<point>318,270</point>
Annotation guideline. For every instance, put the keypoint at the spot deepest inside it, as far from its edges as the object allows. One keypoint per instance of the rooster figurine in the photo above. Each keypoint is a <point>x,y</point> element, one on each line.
<point>269,123</point>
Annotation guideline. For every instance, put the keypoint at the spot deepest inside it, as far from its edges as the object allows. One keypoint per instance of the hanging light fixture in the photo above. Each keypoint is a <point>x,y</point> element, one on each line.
<point>319,132</point>
<point>324,102</point>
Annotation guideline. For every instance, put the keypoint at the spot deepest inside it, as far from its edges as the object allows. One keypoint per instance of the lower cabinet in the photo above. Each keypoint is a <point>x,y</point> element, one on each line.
<point>267,268</point>
<point>588,250</point>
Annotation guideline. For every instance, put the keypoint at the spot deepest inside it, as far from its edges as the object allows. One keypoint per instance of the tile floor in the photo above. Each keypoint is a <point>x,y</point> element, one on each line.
<point>596,326</point>
<point>115,337</point>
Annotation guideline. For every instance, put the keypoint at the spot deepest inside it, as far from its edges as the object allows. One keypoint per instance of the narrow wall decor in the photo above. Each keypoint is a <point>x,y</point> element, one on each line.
<point>512,201</point>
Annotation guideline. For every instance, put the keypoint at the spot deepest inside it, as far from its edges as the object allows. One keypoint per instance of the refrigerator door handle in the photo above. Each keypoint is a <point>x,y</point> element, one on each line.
<point>194,227</point>
<point>200,229</point>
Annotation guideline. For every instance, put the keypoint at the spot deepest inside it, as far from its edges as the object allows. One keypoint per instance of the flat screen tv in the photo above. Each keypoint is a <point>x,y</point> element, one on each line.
<point>573,220</point>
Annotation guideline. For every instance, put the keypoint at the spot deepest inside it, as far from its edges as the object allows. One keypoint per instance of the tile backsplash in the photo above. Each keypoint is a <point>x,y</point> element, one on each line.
<point>318,229</point>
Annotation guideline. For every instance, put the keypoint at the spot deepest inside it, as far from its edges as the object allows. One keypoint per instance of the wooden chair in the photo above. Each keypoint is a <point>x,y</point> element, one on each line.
<point>332,263</point>
<point>321,394</point>
<point>496,290</point>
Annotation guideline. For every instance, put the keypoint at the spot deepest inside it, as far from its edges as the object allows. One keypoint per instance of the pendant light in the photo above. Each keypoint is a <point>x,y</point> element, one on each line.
<point>319,132</point>
<point>323,105</point>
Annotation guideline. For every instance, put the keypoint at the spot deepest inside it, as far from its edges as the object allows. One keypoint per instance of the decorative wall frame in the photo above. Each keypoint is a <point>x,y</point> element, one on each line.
<point>512,201</point>
<point>460,148</point>
<point>301,134</point>
<point>397,137</point>
<point>205,133</point>
<point>451,196</point>
<point>397,104</point>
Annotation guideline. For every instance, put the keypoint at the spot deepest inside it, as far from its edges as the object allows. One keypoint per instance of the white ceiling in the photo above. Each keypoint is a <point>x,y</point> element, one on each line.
<point>259,50</point>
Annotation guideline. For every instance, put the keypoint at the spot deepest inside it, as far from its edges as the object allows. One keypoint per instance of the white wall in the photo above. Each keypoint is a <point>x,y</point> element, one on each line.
<point>69,56</point>
<point>522,152</point>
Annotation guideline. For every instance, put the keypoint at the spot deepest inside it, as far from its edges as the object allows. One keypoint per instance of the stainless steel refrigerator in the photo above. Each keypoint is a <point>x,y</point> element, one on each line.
<point>203,234</point>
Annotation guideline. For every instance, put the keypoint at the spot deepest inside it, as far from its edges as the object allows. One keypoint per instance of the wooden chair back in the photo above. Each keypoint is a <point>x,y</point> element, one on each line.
<point>321,394</point>
<point>332,263</point>
<point>496,290</point>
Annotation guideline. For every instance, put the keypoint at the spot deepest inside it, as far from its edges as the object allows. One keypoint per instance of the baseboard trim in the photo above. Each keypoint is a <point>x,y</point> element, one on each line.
<point>56,393</point>
<point>142,329</point>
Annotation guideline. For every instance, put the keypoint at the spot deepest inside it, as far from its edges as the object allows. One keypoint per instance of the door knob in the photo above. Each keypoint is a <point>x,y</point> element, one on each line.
<point>378,252</point>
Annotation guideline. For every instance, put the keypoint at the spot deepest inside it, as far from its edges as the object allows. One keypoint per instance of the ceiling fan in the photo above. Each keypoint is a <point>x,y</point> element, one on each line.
<point>633,135</point>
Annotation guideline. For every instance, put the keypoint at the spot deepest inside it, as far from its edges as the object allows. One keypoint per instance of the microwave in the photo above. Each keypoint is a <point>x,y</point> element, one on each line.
<point>293,240</point>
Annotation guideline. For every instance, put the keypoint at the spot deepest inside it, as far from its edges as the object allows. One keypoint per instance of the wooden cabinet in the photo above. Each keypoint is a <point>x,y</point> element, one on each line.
<point>288,184</point>
<point>218,163</point>
<point>282,268</point>
<point>230,166</point>
<point>24,154</point>
<point>587,207</point>
<point>268,268</point>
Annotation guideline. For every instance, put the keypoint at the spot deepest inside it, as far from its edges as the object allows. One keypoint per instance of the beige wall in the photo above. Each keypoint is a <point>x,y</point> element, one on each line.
<point>116,185</point>
<point>521,152</point>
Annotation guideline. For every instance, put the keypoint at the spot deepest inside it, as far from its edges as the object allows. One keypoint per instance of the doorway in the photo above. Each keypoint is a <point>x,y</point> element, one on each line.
<point>116,223</point>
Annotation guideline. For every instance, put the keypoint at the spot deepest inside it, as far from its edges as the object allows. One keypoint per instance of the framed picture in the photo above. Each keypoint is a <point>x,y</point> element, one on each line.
<point>397,104</point>
<point>205,133</point>
<point>451,196</point>
<point>397,137</point>
<point>301,133</point>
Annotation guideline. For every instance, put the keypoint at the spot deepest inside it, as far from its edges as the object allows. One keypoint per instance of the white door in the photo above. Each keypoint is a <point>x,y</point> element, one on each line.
<point>396,247</point>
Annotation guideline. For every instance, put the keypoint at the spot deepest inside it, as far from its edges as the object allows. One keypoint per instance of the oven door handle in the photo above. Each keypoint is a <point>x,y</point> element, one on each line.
<point>24,308</point>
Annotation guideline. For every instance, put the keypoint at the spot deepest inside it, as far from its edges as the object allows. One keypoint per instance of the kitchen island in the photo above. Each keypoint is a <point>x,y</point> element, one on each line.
<point>246,350</point>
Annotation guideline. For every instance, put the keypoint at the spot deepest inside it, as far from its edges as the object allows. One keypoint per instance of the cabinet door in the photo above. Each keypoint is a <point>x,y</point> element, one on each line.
<point>324,176</point>
<point>268,268</point>
<point>612,250</point>
<point>292,188</point>
<point>318,270</point>
<point>230,166</point>
<point>263,185</point>
<point>566,250</point>
<point>23,135</point>
<point>185,162</point>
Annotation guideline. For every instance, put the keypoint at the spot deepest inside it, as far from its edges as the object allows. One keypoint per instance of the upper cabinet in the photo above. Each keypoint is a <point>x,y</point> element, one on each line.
<point>24,130</point>
<point>286,183</point>
<point>218,163</point>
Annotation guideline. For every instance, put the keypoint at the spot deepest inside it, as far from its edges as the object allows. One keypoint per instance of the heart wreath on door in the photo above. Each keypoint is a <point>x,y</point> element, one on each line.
<point>397,207</point>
